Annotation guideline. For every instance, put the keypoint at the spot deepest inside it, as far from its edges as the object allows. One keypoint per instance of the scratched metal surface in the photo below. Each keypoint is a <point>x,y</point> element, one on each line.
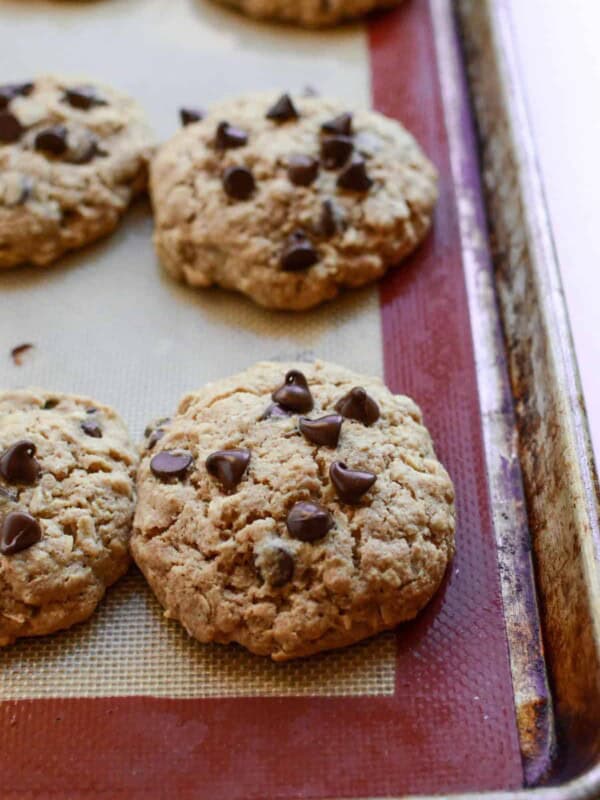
<point>560,480</point>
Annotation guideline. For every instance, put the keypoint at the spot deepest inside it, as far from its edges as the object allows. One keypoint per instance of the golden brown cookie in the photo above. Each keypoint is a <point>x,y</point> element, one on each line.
<point>72,157</point>
<point>289,200</point>
<point>66,506</point>
<point>293,509</point>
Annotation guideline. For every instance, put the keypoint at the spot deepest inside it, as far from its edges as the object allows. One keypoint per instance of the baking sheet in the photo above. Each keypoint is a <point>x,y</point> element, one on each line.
<point>430,709</point>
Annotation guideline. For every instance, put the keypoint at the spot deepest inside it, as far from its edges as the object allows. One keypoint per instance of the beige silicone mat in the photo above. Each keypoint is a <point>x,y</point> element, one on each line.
<point>106,322</point>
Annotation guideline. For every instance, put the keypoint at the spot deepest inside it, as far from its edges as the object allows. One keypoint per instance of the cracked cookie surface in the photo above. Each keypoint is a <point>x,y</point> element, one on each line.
<point>311,13</point>
<point>67,471</point>
<point>289,200</point>
<point>72,157</point>
<point>255,524</point>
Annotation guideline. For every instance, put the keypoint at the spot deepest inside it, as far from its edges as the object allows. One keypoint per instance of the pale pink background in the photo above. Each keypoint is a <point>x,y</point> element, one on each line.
<point>560,62</point>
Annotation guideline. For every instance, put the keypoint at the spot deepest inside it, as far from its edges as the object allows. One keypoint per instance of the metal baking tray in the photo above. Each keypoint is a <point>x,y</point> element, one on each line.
<point>495,688</point>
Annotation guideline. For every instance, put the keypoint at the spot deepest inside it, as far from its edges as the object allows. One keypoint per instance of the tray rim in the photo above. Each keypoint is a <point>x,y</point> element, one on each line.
<point>489,21</point>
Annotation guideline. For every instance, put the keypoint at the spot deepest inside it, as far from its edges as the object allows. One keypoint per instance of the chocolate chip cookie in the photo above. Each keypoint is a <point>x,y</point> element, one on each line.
<point>293,509</point>
<point>311,13</point>
<point>66,506</point>
<point>72,156</point>
<point>289,199</point>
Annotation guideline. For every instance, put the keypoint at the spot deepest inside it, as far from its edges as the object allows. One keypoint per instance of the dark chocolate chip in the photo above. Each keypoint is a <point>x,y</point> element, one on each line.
<point>51,403</point>
<point>9,91</point>
<point>52,140</point>
<point>276,411</point>
<point>298,253</point>
<point>91,410</point>
<point>294,394</point>
<point>354,177</point>
<point>302,170</point>
<point>341,124</point>
<point>238,182</point>
<point>228,466</point>
<point>171,464</point>
<point>275,565</point>
<point>227,136</point>
<point>18,464</point>
<point>335,151</point>
<point>350,484</point>
<point>283,110</point>
<point>10,127</point>
<point>309,521</point>
<point>328,221</point>
<point>324,431</point>
<point>359,406</point>
<point>19,351</point>
<point>19,531</point>
<point>88,151</point>
<point>190,115</point>
<point>91,428</point>
<point>157,423</point>
<point>83,97</point>
<point>154,437</point>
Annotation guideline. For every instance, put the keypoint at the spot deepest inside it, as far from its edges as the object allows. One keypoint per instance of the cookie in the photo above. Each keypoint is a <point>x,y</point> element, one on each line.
<point>66,507</point>
<point>310,13</point>
<point>72,157</point>
<point>293,509</point>
<point>289,200</point>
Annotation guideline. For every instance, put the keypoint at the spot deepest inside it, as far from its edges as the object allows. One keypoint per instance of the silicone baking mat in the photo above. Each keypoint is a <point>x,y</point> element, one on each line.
<point>128,705</point>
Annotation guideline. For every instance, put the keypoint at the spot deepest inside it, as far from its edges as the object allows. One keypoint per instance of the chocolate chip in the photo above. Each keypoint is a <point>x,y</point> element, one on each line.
<point>155,437</point>
<point>294,394</point>
<point>83,97</point>
<point>9,91</point>
<point>51,403</point>
<point>18,464</point>
<point>359,406</point>
<point>19,351</point>
<point>283,110</point>
<point>324,431</point>
<point>10,127</point>
<point>227,136</point>
<point>228,466</point>
<point>275,565</point>
<point>302,170</point>
<point>190,115</point>
<point>91,410</point>
<point>309,521</point>
<point>171,464</point>
<point>52,140</point>
<point>341,124</point>
<point>298,253</point>
<point>91,428</point>
<point>158,423</point>
<point>354,177</point>
<point>276,411</point>
<point>238,182</point>
<point>19,531</point>
<point>335,151</point>
<point>87,151</point>
<point>350,484</point>
<point>328,221</point>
